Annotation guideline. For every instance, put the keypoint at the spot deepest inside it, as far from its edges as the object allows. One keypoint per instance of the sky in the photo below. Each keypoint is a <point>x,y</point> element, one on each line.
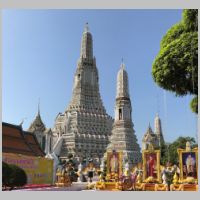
<point>40,53</point>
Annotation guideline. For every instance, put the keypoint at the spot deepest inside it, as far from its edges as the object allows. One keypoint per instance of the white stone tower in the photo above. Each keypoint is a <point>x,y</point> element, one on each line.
<point>158,130</point>
<point>83,129</point>
<point>123,136</point>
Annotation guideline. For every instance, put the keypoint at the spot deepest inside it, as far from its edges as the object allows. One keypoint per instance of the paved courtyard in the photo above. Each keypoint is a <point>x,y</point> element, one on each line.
<point>74,187</point>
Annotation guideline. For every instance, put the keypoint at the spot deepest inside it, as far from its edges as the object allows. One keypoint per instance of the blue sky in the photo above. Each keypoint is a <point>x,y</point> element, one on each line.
<point>40,53</point>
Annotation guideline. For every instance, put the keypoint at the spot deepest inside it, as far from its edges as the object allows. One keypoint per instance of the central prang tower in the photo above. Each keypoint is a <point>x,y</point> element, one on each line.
<point>84,128</point>
<point>123,138</point>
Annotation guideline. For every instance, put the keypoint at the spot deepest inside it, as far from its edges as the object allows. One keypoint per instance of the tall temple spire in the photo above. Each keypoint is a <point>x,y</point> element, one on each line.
<point>86,80</point>
<point>86,44</point>
<point>157,125</point>
<point>158,128</point>
<point>122,82</point>
<point>80,126</point>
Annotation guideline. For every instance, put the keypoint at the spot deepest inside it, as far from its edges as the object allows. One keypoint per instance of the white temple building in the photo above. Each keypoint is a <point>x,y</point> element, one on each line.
<point>84,129</point>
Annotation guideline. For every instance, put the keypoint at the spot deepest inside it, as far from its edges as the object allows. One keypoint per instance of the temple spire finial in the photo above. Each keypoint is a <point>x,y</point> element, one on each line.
<point>86,44</point>
<point>86,29</point>
<point>122,82</point>
<point>39,106</point>
<point>122,64</point>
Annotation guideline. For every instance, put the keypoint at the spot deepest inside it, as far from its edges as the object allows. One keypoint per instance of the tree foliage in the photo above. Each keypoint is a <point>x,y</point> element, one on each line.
<point>6,170</point>
<point>169,151</point>
<point>13,176</point>
<point>175,68</point>
<point>163,154</point>
<point>17,177</point>
<point>194,104</point>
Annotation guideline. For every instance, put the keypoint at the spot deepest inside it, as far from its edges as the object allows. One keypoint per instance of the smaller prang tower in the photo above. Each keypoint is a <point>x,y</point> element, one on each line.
<point>158,130</point>
<point>123,138</point>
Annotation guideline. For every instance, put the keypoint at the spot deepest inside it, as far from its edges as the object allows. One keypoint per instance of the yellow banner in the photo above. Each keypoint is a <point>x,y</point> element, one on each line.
<point>38,170</point>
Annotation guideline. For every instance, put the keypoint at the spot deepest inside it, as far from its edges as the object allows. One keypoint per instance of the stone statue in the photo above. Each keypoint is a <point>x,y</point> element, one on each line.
<point>188,146</point>
<point>102,166</point>
<point>126,171</point>
<point>164,178</point>
<point>80,172</point>
<point>139,177</point>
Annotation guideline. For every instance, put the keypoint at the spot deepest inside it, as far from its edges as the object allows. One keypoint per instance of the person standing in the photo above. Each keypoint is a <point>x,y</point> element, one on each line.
<point>91,170</point>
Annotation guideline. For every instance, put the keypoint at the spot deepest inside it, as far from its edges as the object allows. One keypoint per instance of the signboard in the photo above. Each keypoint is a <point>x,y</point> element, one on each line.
<point>39,170</point>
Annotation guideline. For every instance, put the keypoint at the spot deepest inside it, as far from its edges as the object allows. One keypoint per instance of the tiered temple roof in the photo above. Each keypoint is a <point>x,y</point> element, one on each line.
<point>37,124</point>
<point>149,135</point>
<point>15,140</point>
<point>33,143</point>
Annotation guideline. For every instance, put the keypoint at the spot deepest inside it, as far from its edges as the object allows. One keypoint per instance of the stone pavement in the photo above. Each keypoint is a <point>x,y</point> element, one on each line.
<point>74,187</point>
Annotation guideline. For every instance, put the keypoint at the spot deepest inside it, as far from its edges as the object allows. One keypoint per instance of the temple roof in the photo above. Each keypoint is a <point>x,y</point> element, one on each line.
<point>15,140</point>
<point>33,143</point>
<point>37,124</point>
<point>48,131</point>
<point>149,135</point>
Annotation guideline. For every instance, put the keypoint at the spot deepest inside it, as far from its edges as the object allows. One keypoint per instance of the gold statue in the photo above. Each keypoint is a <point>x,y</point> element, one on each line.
<point>175,178</point>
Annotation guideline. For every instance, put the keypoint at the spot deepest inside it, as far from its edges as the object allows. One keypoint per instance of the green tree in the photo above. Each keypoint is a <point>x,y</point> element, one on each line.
<point>17,177</point>
<point>163,154</point>
<point>6,170</point>
<point>169,151</point>
<point>175,68</point>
